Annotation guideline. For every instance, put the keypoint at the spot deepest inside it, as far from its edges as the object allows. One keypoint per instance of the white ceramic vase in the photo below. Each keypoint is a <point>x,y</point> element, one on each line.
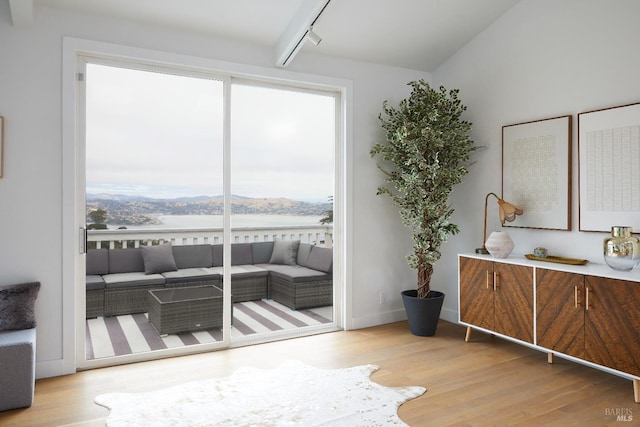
<point>499,244</point>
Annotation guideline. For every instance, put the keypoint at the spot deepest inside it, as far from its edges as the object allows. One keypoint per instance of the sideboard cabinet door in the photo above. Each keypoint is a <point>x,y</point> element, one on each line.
<point>612,323</point>
<point>497,296</point>
<point>514,301</point>
<point>560,311</point>
<point>476,292</point>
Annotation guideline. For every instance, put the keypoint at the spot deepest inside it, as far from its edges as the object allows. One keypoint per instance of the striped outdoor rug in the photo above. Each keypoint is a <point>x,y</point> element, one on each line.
<point>133,333</point>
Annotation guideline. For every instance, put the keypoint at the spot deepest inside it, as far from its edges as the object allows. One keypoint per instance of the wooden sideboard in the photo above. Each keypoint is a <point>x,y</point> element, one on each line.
<point>589,314</point>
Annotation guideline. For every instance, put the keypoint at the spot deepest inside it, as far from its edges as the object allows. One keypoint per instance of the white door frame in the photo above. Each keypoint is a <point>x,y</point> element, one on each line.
<point>73,268</point>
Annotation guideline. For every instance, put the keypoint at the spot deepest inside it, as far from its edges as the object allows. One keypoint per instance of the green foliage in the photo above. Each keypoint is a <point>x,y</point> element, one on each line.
<point>426,153</point>
<point>96,226</point>
<point>328,215</point>
<point>98,216</point>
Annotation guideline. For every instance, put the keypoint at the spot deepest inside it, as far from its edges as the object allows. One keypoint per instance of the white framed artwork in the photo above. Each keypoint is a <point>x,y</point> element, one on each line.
<point>609,165</point>
<point>536,172</point>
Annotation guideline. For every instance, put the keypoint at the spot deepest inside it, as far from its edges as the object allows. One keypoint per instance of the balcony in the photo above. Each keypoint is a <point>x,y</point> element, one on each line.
<point>253,321</point>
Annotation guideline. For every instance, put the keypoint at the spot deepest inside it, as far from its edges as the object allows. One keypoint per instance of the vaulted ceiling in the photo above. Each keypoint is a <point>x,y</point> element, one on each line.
<point>415,34</point>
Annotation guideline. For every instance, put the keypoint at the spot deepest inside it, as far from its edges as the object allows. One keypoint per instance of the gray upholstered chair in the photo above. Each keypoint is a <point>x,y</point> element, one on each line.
<point>17,368</point>
<point>17,345</point>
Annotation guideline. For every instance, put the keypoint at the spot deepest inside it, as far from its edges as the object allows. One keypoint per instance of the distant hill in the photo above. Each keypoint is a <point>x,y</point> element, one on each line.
<point>119,197</point>
<point>131,210</point>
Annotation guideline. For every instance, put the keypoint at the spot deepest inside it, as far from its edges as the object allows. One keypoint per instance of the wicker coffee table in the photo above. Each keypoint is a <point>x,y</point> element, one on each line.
<point>185,309</point>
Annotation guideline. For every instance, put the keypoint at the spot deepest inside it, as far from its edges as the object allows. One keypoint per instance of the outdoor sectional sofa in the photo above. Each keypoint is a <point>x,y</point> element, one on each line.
<point>297,275</point>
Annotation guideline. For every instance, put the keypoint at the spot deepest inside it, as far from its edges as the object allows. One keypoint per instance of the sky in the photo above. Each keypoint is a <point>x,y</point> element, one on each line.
<point>160,135</point>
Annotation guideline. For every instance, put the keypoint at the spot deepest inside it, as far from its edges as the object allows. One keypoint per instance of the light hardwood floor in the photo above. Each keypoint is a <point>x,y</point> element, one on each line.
<point>485,382</point>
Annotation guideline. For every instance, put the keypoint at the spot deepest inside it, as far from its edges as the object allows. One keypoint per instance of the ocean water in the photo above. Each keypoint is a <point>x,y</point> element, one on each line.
<point>215,221</point>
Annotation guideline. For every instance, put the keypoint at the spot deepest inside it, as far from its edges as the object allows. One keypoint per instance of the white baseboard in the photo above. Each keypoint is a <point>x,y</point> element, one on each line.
<point>396,316</point>
<point>53,368</point>
<point>449,315</point>
<point>378,319</point>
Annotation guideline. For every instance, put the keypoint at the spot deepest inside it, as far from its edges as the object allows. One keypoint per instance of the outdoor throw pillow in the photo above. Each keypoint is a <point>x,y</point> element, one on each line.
<point>284,252</point>
<point>17,304</point>
<point>320,259</point>
<point>158,259</point>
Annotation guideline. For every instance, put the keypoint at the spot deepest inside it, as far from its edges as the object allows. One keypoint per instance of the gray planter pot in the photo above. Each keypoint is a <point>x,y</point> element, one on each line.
<point>422,313</point>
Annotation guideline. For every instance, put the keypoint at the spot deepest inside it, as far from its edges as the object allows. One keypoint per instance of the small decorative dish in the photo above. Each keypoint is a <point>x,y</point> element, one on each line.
<point>558,259</point>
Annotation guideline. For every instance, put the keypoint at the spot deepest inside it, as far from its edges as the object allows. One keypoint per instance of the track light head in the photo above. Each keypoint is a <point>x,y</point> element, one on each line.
<point>313,37</point>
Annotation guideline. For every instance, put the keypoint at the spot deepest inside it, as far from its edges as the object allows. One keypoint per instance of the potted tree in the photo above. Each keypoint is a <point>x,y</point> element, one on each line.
<point>426,153</point>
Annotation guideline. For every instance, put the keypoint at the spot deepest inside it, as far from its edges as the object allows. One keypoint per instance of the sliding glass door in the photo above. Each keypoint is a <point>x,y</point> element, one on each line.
<point>192,183</point>
<point>154,161</point>
<point>282,178</point>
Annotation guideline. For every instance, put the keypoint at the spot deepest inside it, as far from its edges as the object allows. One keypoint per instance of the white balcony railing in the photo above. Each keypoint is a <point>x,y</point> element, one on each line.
<point>321,235</point>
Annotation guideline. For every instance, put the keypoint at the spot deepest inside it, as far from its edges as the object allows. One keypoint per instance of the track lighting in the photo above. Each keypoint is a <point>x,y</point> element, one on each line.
<point>313,37</point>
<point>299,31</point>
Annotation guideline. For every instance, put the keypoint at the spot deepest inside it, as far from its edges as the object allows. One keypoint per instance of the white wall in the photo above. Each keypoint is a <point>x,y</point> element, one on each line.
<point>31,210</point>
<point>542,59</point>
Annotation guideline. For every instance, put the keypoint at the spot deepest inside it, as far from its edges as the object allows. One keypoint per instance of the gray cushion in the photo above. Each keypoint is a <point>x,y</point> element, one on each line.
<point>94,282</point>
<point>238,271</point>
<point>190,274</point>
<point>217,255</point>
<point>320,259</point>
<point>240,254</point>
<point>129,280</point>
<point>97,261</point>
<point>158,259</point>
<point>261,252</point>
<point>296,273</point>
<point>125,260</point>
<point>284,252</point>
<point>304,249</point>
<point>193,256</point>
<point>17,306</point>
